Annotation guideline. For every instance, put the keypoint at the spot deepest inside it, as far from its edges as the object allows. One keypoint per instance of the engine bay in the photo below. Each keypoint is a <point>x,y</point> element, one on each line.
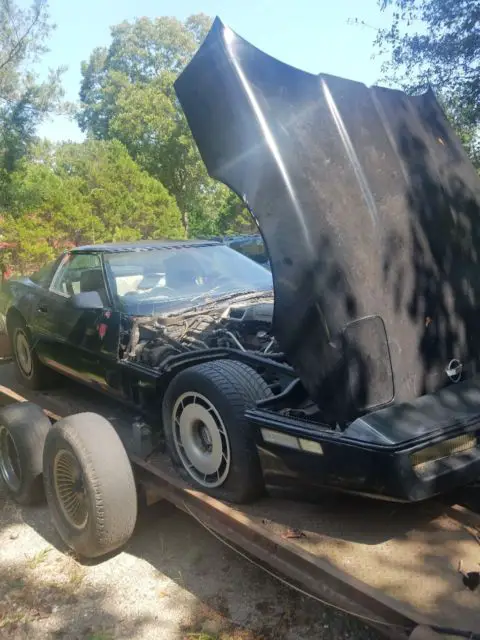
<point>244,325</point>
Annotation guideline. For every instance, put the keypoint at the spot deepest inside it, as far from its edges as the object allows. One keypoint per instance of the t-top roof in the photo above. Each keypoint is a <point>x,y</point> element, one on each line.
<point>146,245</point>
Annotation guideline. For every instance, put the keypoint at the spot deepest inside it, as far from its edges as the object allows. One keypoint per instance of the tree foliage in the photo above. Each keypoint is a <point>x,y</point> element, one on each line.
<point>138,175</point>
<point>127,94</point>
<point>140,52</point>
<point>24,99</point>
<point>84,193</point>
<point>437,43</point>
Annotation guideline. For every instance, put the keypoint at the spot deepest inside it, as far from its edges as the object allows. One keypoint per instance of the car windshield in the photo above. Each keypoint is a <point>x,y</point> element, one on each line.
<point>252,247</point>
<point>179,273</point>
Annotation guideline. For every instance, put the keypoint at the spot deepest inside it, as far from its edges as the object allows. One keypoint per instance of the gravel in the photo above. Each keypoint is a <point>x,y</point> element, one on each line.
<point>173,581</point>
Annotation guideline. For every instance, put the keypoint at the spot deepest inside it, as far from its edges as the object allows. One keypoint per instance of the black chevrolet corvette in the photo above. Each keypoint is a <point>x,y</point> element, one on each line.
<point>359,369</point>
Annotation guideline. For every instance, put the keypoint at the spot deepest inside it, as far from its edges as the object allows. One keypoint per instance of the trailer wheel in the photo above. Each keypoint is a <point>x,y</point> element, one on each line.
<point>23,430</point>
<point>209,440</point>
<point>89,485</point>
<point>32,373</point>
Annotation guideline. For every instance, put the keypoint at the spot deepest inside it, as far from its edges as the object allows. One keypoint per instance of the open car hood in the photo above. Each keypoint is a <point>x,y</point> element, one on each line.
<point>369,209</point>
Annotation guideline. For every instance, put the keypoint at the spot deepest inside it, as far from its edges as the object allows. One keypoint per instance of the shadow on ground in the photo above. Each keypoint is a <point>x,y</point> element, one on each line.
<point>173,581</point>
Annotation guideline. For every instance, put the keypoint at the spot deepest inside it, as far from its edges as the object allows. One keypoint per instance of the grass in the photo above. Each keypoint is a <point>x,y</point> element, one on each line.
<point>34,589</point>
<point>75,574</point>
<point>10,619</point>
<point>238,634</point>
<point>38,558</point>
<point>214,623</point>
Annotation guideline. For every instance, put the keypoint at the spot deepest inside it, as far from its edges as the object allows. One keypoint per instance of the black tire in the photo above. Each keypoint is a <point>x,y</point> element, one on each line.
<point>105,488</point>
<point>36,376</point>
<point>231,388</point>
<point>23,430</point>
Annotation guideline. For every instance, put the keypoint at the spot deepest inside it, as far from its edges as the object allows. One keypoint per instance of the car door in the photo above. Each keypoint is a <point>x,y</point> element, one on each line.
<point>82,343</point>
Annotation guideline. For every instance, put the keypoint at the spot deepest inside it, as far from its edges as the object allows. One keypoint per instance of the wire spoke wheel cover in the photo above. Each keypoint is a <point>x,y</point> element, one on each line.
<point>70,489</point>
<point>10,468</point>
<point>201,440</point>
<point>89,484</point>
<point>23,353</point>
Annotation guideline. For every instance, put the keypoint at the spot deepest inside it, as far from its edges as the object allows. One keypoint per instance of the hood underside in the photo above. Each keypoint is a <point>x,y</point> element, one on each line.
<point>369,209</point>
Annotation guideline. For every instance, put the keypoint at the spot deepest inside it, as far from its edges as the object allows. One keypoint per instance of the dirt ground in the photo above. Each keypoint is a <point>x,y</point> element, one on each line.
<point>173,581</point>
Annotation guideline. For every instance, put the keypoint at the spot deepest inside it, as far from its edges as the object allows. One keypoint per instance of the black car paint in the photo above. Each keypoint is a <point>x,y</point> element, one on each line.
<point>372,455</point>
<point>84,344</point>
<point>65,338</point>
<point>364,197</point>
<point>80,349</point>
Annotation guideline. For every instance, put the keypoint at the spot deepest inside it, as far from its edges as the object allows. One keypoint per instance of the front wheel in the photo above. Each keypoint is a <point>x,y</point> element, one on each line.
<point>208,437</point>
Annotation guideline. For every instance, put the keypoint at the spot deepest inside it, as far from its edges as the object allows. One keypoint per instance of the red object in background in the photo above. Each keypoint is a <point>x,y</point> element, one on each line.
<point>64,245</point>
<point>6,269</point>
<point>6,273</point>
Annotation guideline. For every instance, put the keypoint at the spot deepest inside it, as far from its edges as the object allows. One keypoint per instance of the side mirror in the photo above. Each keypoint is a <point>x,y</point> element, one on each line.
<point>87,300</point>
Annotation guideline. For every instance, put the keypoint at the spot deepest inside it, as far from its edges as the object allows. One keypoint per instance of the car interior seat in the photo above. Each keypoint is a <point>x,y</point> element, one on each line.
<point>181,273</point>
<point>149,281</point>
<point>93,280</point>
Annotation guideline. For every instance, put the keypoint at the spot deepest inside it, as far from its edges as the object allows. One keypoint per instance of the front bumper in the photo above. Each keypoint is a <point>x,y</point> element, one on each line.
<point>405,452</point>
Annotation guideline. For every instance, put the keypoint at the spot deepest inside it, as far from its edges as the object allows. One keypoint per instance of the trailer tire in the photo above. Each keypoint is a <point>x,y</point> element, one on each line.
<point>89,484</point>
<point>23,430</point>
<point>215,450</point>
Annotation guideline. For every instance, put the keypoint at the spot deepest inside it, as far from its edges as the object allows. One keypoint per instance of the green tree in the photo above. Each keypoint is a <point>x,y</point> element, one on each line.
<point>437,43</point>
<point>24,99</point>
<point>84,193</point>
<point>235,218</point>
<point>140,52</point>
<point>127,94</point>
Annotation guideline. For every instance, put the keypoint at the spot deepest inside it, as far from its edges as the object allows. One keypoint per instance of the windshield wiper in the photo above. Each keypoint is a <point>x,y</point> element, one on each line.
<point>205,294</point>
<point>232,294</point>
<point>248,294</point>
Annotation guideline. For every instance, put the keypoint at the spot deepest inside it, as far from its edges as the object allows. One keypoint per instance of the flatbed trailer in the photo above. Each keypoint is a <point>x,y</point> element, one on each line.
<point>395,566</point>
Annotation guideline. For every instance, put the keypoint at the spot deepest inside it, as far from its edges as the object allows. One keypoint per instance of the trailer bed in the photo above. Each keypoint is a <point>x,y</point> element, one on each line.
<point>394,564</point>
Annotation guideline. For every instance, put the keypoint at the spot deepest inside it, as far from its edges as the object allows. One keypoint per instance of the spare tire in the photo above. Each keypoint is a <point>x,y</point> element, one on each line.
<point>23,430</point>
<point>89,485</point>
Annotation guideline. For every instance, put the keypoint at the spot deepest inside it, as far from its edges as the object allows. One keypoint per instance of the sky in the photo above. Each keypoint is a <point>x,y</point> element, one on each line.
<point>313,35</point>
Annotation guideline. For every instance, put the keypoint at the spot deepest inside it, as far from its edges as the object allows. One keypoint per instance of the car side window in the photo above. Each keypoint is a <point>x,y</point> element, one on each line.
<point>43,277</point>
<point>80,272</point>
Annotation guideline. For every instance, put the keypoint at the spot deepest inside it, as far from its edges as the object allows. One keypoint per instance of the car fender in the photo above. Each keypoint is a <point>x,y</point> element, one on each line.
<point>20,300</point>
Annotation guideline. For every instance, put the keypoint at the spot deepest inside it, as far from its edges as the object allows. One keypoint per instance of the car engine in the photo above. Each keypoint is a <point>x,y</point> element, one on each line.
<point>245,326</point>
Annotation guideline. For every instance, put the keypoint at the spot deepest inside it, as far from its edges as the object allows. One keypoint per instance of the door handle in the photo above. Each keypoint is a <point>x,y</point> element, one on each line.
<point>42,308</point>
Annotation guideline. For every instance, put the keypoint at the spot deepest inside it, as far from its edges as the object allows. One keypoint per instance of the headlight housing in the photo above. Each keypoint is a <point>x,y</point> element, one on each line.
<point>420,459</point>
